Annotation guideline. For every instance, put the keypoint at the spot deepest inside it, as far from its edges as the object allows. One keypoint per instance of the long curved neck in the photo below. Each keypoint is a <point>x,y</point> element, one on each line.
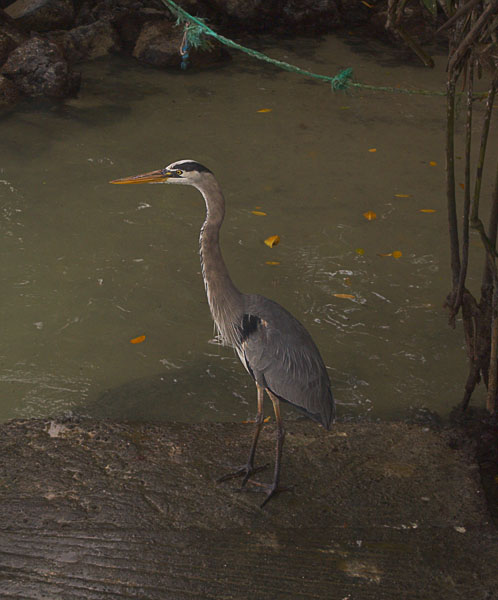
<point>224,299</point>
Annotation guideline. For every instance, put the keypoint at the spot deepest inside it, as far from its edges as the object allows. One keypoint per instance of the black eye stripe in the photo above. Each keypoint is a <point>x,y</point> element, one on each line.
<point>190,166</point>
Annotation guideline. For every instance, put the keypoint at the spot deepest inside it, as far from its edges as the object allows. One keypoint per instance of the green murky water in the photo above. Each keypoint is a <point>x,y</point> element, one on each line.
<point>86,266</point>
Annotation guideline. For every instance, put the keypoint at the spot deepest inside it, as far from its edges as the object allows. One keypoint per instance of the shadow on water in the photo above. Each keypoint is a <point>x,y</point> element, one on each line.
<point>176,396</point>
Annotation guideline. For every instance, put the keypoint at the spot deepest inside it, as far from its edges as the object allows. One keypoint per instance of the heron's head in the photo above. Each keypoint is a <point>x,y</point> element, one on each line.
<point>186,172</point>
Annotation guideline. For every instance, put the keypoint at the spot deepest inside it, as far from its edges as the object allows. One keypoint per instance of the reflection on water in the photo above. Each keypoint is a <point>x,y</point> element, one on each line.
<point>87,266</point>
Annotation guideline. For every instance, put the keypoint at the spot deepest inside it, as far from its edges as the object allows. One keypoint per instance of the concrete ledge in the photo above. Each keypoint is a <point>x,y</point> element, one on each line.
<point>96,510</point>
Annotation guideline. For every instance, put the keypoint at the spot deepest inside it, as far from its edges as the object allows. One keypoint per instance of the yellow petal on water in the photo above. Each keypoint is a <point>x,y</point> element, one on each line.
<point>348,296</point>
<point>258,213</point>
<point>385,254</point>
<point>372,149</point>
<point>433,163</point>
<point>266,419</point>
<point>272,262</point>
<point>397,254</point>
<point>138,340</point>
<point>428,210</point>
<point>402,195</point>
<point>367,4</point>
<point>265,110</point>
<point>273,240</point>
<point>360,251</point>
<point>462,185</point>
<point>369,215</point>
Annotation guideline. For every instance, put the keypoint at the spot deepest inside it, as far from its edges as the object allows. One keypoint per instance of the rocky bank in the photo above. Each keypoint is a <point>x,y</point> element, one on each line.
<point>42,41</point>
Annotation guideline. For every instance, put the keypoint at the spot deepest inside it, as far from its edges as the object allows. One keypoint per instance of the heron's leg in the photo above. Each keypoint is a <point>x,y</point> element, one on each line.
<point>249,469</point>
<point>257,431</point>
<point>274,488</point>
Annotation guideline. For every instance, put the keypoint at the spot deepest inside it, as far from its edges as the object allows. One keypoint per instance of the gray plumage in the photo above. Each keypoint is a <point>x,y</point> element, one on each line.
<point>282,356</point>
<point>274,347</point>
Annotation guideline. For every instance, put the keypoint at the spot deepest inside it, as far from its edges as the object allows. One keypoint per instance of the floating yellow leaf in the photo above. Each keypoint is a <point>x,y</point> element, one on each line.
<point>349,296</point>
<point>360,251</point>
<point>433,163</point>
<point>427,210</point>
<point>372,149</point>
<point>395,254</point>
<point>273,240</point>
<point>265,420</point>
<point>272,262</point>
<point>259,213</point>
<point>265,110</point>
<point>462,185</point>
<point>369,215</point>
<point>367,4</point>
<point>138,340</point>
<point>402,195</point>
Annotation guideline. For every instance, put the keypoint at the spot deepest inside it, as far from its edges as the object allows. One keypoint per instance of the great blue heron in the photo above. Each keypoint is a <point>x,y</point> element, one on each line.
<point>273,346</point>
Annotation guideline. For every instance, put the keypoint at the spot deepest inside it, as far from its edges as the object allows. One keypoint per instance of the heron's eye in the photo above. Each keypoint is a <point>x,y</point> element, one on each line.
<point>179,172</point>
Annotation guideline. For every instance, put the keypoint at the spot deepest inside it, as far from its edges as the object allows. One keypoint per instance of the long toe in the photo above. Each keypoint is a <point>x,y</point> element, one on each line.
<point>245,472</point>
<point>270,488</point>
<point>272,492</point>
<point>252,472</point>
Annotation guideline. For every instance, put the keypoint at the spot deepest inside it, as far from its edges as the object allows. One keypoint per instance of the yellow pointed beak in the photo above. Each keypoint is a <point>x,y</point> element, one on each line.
<point>159,176</point>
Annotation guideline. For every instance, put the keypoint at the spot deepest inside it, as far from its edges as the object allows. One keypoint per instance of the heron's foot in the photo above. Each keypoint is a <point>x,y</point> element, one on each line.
<point>245,472</point>
<point>271,489</point>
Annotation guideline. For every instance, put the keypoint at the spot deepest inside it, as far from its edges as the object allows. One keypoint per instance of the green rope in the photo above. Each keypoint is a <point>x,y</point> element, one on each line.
<point>341,81</point>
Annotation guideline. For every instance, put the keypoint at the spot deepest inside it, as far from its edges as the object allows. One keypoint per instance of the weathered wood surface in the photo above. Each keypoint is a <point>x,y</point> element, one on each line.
<point>95,510</point>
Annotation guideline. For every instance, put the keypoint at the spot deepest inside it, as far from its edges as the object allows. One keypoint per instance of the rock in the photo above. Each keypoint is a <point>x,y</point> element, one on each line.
<point>284,16</point>
<point>309,14</point>
<point>10,36</point>
<point>241,16</point>
<point>42,15</point>
<point>243,9</point>
<point>38,68</point>
<point>9,93</point>
<point>7,44</point>
<point>355,14</point>
<point>130,24</point>
<point>159,42</point>
<point>87,41</point>
<point>96,10</point>
<point>158,45</point>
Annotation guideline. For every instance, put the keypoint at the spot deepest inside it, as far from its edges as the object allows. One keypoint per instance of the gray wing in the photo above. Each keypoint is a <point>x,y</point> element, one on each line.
<point>281,355</point>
